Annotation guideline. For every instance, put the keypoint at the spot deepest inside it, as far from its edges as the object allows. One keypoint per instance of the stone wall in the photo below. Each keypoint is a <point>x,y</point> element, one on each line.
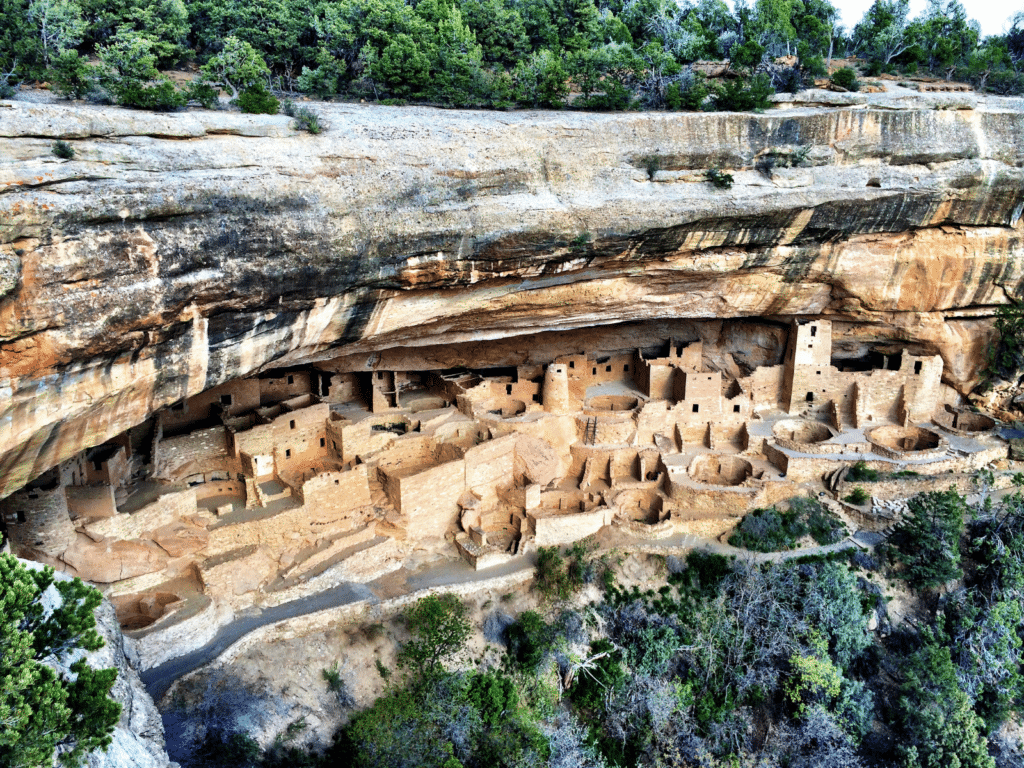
<point>167,509</point>
<point>198,451</point>
<point>38,520</point>
<point>88,501</point>
<point>490,465</point>
<point>337,492</point>
<point>429,499</point>
<point>555,528</point>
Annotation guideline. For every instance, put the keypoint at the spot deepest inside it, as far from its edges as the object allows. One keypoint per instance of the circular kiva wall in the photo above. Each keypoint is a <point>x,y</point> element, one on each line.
<point>641,505</point>
<point>139,611</point>
<point>612,403</point>
<point>899,439</point>
<point>802,431</point>
<point>719,469</point>
<point>506,407</point>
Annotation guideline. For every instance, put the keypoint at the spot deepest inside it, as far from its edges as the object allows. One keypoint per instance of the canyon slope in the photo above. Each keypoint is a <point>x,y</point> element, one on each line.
<point>176,252</point>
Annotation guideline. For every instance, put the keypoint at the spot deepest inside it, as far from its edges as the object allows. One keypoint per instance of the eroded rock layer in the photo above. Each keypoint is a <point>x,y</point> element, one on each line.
<point>177,252</point>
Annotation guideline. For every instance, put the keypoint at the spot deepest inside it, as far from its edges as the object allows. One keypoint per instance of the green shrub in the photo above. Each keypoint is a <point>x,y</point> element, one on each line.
<point>130,75</point>
<point>846,78</point>
<point>257,100</point>
<point>71,76</point>
<point>651,164</point>
<point>823,526</point>
<point>745,96</point>
<point>603,679</point>
<point>718,178</point>
<point>861,473</point>
<point>767,530</point>
<point>309,121</point>
<point>927,539</point>
<point>530,639</point>
<point>904,473</point>
<point>204,93</point>
<point>439,630</point>
<point>772,530</point>
<point>63,150</point>
<point>857,496</point>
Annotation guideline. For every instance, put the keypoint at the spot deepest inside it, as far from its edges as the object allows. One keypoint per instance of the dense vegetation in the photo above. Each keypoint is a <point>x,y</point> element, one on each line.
<point>728,664</point>
<point>44,711</point>
<point>772,529</point>
<point>614,54</point>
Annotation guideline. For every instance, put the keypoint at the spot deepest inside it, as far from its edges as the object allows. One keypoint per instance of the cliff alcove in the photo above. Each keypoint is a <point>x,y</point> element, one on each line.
<point>242,364</point>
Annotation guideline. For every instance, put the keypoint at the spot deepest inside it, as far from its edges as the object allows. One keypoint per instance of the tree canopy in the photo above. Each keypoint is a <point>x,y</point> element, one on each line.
<point>43,711</point>
<point>619,54</point>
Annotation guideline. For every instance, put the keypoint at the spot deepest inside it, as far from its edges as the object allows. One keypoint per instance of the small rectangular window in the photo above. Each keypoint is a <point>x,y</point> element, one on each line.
<point>696,408</point>
<point>21,516</point>
<point>917,367</point>
<point>814,330</point>
<point>287,453</point>
<point>291,424</point>
<point>595,372</point>
<point>225,399</point>
<point>572,363</point>
<point>335,444</point>
<point>625,368</point>
<point>323,442</point>
<point>607,369</point>
<point>291,379</point>
<point>735,409</point>
<point>508,389</point>
<point>818,372</point>
<point>810,397</point>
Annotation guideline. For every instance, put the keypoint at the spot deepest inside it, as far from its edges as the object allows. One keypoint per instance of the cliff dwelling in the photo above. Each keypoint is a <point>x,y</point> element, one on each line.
<point>273,487</point>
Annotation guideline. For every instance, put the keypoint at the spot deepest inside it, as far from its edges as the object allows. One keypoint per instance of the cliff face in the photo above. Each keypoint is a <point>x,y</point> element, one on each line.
<point>176,252</point>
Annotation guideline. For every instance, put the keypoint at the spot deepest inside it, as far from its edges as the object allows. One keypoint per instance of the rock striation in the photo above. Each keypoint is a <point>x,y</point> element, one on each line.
<point>177,252</point>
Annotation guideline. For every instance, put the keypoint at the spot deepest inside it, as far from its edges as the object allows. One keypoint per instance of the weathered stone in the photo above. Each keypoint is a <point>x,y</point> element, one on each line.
<point>109,561</point>
<point>150,268</point>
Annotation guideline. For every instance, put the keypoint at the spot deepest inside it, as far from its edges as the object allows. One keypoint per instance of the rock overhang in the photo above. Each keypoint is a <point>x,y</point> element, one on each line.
<point>180,251</point>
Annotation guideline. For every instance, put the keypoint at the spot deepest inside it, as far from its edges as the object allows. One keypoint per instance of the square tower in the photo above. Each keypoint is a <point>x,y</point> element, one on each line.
<point>812,343</point>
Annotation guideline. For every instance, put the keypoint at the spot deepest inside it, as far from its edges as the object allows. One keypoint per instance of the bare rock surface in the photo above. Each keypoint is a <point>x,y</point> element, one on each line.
<point>175,252</point>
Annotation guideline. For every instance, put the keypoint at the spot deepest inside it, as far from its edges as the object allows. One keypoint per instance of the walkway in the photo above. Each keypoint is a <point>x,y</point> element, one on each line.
<point>158,680</point>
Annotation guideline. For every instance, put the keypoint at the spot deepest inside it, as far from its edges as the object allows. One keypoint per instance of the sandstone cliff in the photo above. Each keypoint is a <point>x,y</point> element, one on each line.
<point>176,252</point>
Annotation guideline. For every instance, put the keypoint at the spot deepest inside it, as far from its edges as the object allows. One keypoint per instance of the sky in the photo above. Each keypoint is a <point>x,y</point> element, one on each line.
<point>993,15</point>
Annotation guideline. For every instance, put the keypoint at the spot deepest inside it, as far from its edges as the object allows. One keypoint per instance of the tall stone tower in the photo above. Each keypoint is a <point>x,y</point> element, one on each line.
<point>555,393</point>
<point>808,365</point>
